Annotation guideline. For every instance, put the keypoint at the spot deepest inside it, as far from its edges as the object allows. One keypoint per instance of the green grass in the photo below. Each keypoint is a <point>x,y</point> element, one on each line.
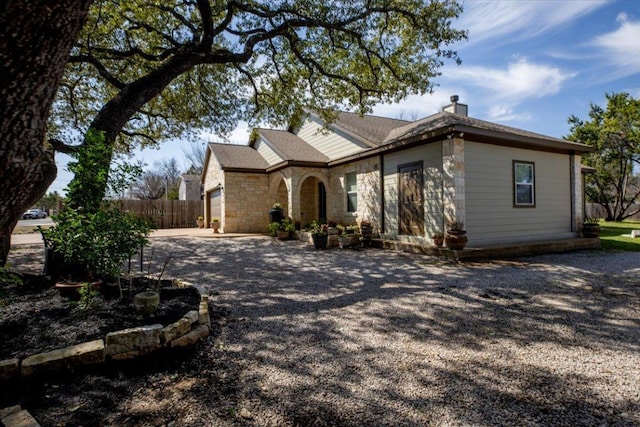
<point>611,235</point>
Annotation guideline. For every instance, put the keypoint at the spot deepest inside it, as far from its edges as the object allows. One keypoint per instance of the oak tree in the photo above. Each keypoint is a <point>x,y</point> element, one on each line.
<point>146,70</point>
<point>36,37</point>
<point>615,134</point>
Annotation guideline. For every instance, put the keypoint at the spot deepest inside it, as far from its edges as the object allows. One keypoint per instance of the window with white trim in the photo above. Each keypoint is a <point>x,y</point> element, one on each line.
<point>352,191</point>
<point>524,194</point>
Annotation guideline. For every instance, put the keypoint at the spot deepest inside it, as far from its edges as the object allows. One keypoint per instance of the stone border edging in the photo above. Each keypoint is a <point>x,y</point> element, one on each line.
<point>120,345</point>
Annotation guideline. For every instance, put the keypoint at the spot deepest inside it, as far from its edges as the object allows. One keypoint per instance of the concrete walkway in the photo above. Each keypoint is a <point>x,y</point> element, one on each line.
<point>36,238</point>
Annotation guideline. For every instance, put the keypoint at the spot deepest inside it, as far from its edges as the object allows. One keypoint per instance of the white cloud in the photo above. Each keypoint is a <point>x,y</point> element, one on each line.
<point>416,107</point>
<point>621,47</point>
<point>520,80</point>
<point>240,135</point>
<point>510,21</point>
<point>504,113</point>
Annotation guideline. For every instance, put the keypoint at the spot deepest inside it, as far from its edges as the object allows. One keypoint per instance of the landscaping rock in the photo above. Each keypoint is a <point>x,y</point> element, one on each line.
<point>87,353</point>
<point>132,342</point>
<point>192,316</point>
<point>192,337</point>
<point>21,418</point>
<point>175,330</point>
<point>9,368</point>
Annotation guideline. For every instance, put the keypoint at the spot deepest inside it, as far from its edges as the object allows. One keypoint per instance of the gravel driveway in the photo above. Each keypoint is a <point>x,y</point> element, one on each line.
<point>373,337</point>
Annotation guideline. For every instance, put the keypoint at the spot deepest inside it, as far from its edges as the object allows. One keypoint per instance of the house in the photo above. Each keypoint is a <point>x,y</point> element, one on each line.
<point>408,178</point>
<point>190,187</point>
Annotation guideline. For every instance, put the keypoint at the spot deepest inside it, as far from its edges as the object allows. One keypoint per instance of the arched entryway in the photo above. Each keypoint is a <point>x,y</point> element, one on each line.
<point>313,200</point>
<point>282,195</point>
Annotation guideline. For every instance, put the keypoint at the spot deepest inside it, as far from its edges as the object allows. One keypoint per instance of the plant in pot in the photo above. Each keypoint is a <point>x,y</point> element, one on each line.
<point>94,245</point>
<point>349,237</point>
<point>283,230</point>
<point>591,228</point>
<point>456,236</point>
<point>438,239</point>
<point>215,224</point>
<point>276,214</point>
<point>200,221</point>
<point>319,235</point>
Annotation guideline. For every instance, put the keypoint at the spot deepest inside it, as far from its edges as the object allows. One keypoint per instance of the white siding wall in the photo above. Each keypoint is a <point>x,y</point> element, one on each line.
<point>329,143</point>
<point>267,152</point>
<point>490,215</point>
<point>431,156</point>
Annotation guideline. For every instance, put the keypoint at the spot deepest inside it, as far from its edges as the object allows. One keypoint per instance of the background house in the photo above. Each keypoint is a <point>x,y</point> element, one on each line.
<point>408,178</point>
<point>190,187</point>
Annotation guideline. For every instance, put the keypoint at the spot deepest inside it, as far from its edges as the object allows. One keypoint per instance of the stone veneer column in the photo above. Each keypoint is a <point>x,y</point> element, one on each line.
<point>453,188</point>
<point>577,192</point>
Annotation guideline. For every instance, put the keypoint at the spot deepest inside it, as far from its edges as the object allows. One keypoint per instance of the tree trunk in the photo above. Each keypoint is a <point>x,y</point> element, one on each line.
<point>35,40</point>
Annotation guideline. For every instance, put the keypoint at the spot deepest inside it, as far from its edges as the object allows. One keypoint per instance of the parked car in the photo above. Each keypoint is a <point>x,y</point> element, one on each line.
<point>34,214</point>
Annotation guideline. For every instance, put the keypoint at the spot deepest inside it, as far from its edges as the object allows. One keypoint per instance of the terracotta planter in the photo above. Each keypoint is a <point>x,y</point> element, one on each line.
<point>146,303</point>
<point>455,240</point>
<point>71,289</point>
<point>200,223</point>
<point>283,235</point>
<point>216,226</point>
<point>438,240</point>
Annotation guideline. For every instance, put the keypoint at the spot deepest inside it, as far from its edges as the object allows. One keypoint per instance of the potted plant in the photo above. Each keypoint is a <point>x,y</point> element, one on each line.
<point>349,237</point>
<point>282,230</point>
<point>276,214</point>
<point>456,236</point>
<point>215,224</point>
<point>200,222</point>
<point>591,228</point>
<point>438,239</point>
<point>319,235</point>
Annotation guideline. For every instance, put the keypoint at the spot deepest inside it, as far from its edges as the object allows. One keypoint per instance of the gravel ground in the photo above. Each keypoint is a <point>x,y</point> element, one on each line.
<point>373,337</point>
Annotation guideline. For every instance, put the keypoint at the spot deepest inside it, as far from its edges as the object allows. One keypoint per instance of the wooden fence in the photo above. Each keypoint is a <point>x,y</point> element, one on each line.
<point>166,213</point>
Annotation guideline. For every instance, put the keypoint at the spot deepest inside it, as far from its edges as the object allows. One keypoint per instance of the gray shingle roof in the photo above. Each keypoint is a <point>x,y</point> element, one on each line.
<point>292,147</point>
<point>372,128</point>
<point>458,122</point>
<point>238,156</point>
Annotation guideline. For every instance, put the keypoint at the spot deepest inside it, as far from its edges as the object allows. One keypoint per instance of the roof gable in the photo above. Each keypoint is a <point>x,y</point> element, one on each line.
<point>291,147</point>
<point>372,130</point>
<point>234,156</point>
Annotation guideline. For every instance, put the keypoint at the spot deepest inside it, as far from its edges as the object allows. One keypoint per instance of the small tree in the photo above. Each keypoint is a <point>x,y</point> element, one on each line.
<point>95,244</point>
<point>615,135</point>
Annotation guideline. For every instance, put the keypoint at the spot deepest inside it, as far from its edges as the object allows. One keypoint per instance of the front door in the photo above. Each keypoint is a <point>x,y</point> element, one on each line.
<point>411,199</point>
<point>322,201</point>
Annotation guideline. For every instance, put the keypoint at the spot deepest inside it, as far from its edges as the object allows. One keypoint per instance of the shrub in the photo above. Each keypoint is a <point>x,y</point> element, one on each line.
<point>97,242</point>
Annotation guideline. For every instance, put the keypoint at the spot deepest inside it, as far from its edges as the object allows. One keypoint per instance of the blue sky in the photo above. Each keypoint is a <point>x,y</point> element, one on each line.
<point>529,64</point>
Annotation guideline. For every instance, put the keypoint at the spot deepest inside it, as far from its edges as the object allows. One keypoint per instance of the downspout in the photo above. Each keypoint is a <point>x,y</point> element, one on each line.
<point>382,214</point>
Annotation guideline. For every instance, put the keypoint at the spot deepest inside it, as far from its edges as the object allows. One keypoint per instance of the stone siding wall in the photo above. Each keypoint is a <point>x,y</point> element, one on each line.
<point>245,203</point>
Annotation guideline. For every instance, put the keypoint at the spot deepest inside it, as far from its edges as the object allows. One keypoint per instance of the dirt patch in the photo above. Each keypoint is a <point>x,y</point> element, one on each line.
<point>35,318</point>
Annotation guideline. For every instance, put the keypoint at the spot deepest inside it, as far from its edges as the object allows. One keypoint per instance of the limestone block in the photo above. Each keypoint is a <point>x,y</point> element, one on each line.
<point>175,330</point>
<point>192,337</point>
<point>20,419</point>
<point>129,343</point>
<point>87,353</point>
<point>5,412</point>
<point>203,313</point>
<point>9,368</point>
<point>192,316</point>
